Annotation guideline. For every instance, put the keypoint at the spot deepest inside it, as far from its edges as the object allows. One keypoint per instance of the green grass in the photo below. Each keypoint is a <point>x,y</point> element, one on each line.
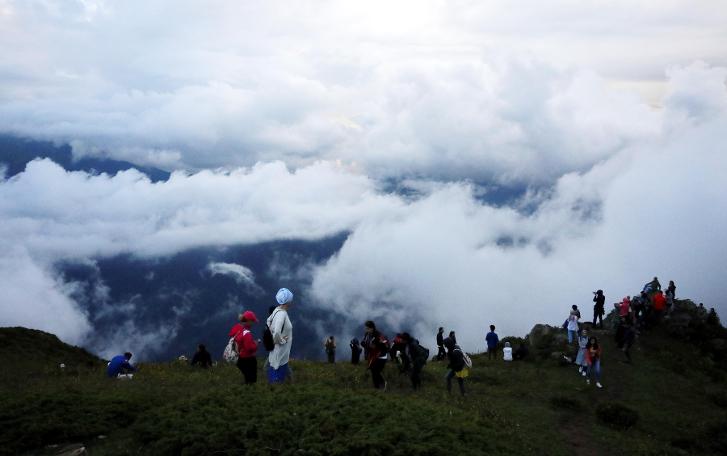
<point>519,408</point>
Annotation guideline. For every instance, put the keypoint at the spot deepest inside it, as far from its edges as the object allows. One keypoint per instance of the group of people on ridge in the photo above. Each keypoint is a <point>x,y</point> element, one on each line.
<point>633,315</point>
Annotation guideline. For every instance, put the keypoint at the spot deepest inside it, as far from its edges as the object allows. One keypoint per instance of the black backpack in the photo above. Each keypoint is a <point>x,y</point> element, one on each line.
<point>268,341</point>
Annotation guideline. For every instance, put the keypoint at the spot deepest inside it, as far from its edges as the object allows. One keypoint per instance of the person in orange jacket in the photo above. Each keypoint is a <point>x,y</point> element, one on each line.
<point>247,348</point>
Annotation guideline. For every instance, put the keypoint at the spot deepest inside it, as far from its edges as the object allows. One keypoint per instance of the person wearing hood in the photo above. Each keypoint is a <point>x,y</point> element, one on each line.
<point>247,348</point>
<point>282,331</point>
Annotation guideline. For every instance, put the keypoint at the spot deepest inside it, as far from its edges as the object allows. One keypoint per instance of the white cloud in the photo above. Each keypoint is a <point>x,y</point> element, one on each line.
<point>348,95</point>
<point>238,272</point>
<point>466,90</point>
<point>33,297</point>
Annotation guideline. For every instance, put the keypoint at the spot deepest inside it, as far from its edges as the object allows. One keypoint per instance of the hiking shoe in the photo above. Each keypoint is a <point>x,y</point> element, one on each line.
<point>588,381</point>
<point>598,384</point>
<point>584,373</point>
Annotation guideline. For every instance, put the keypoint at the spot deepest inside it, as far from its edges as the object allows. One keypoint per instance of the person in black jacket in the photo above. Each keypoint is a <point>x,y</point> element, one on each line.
<point>456,364</point>
<point>441,354</point>
<point>355,351</point>
<point>598,307</point>
<point>418,357</point>
<point>202,357</point>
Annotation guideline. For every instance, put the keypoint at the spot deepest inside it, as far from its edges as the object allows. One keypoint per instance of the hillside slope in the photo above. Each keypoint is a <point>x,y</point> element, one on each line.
<point>535,407</point>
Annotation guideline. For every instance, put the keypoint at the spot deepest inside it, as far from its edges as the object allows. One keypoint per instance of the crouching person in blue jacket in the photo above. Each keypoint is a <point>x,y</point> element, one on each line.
<point>120,365</point>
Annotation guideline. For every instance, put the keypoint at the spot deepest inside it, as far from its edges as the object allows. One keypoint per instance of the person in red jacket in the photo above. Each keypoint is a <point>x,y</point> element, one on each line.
<point>658,302</point>
<point>247,348</point>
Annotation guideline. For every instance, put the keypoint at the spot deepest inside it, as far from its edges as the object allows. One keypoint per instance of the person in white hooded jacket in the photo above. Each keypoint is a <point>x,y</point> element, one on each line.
<point>282,332</point>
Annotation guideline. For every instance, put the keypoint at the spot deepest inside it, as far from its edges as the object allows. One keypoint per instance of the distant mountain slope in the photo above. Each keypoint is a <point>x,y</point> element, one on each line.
<point>16,152</point>
<point>31,350</point>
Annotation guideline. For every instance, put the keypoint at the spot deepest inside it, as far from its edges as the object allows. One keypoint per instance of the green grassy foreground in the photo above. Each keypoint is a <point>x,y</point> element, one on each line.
<point>537,407</point>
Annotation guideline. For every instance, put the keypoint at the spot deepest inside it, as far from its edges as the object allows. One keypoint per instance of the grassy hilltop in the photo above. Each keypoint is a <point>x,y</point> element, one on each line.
<point>679,397</point>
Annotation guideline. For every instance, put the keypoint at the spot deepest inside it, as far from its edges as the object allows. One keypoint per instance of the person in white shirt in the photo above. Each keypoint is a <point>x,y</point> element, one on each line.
<point>507,352</point>
<point>282,332</point>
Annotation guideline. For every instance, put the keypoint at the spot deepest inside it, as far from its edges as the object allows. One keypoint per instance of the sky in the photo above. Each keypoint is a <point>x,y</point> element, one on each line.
<point>290,121</point>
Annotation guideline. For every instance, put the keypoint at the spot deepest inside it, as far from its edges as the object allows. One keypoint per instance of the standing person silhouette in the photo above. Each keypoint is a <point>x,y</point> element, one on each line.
<point>282,332</point>
<point>599,308</point>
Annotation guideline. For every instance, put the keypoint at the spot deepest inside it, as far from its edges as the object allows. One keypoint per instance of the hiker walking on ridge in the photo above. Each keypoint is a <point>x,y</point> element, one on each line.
<point>330,346</point>
<point>281,330</point>
<point>418,357</point>
<point>492,341</point>
<point>628,339</point>
<point>624,308</point>
<point>598,308</point>
<point>572,323</point>
<point>441,354</point>
<point>378,348</point>
<point>658,302</point>
<point>593,360</point>
<point>355,351</point>
<point>457,366</point>
<point>398,354</point>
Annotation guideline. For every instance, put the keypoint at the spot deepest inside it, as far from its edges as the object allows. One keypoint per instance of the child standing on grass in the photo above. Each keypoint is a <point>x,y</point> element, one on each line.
<point>593,360</point>
<point>247,348</point>
<point>581,356</point>
<point>507,352</point>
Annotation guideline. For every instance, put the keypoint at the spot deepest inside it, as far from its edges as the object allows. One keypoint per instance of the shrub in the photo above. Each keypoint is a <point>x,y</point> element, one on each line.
<point>565,403</point>
<point>617,416</point>
<point>719,398</point>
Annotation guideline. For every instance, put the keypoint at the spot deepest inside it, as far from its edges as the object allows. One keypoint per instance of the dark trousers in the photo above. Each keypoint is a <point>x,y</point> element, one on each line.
<point>450,375</point>
<point>491,352</point>
<point>377,368</point>
<point>416,371</point>
<point>441,354</point>
<point>331,356</point>
<point>248,368</point>
<point>599,317</point>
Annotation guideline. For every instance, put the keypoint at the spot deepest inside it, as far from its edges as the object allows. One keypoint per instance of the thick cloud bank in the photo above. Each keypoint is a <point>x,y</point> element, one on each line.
<point>461,90</point>
<point>654,207</point>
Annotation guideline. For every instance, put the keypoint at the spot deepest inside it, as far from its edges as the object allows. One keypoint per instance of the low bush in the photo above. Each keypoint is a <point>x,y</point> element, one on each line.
<point>565,403</point>
<point>617,416</point>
